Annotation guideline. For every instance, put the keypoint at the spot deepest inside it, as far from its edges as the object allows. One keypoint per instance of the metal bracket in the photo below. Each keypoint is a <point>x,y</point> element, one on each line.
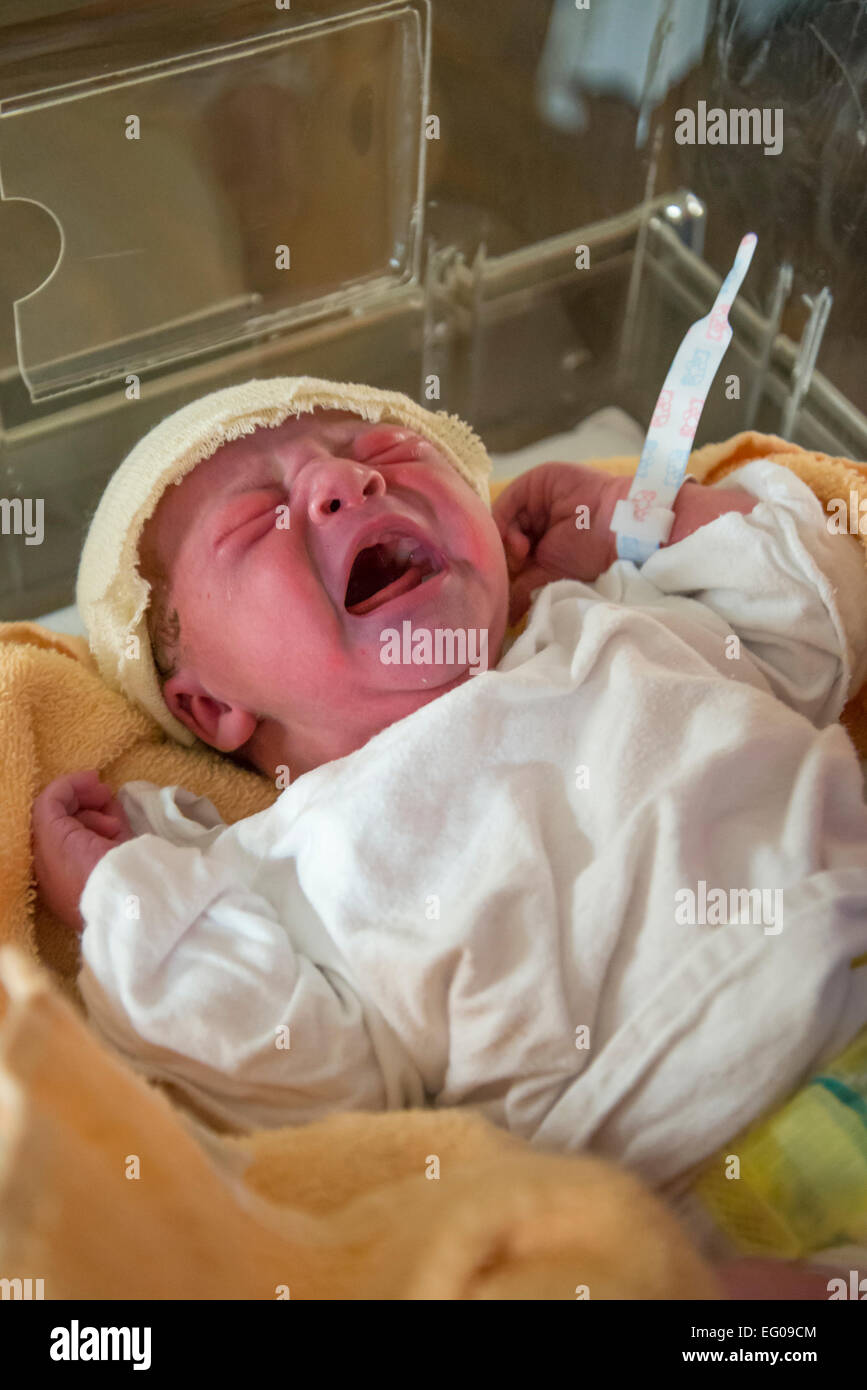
<point>688,218</point>
<point>452,325</point>
<point>808,350</point>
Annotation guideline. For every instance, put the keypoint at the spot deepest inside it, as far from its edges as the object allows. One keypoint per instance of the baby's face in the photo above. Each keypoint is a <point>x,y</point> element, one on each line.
<point>294,553</point>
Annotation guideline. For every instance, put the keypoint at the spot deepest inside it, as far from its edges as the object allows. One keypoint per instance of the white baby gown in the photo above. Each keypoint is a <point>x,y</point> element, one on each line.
<point>484,905</point>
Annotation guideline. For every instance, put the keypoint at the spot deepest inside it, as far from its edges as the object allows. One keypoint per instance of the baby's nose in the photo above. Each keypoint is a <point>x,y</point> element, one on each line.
<point>341,483</point>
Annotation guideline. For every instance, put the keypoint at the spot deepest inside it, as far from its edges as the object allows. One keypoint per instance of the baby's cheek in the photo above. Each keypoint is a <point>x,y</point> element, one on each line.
<point>492,558</point>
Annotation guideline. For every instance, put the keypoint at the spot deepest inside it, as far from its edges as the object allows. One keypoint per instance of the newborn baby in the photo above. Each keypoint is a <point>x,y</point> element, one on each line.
<point>496,887</point>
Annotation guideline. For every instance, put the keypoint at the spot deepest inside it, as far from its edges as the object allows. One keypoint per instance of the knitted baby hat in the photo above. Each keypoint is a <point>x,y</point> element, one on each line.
<point>112,597</point>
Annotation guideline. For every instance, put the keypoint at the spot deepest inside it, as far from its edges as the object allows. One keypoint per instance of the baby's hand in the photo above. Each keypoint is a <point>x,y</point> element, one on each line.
<point>76,821</point>
<point>546,536</point>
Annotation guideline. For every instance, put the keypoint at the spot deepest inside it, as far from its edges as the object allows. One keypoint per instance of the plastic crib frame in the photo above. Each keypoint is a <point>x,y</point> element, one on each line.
<point>522,344</point>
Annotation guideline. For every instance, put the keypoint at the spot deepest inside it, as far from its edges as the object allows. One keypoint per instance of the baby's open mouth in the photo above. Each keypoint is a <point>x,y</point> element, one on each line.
<point>383,571</point>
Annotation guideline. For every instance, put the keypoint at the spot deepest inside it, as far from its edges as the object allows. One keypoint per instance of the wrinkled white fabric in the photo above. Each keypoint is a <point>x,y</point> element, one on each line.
<point>442,913</point>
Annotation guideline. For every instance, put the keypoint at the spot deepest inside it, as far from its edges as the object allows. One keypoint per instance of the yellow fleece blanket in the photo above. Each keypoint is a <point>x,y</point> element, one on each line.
<point>416,1204</point>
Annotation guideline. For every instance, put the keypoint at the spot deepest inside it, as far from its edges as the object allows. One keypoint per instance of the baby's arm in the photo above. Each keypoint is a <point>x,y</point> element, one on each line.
<point>771,575</point>
<point>201,984</point>
<point>554,521</point>
<point>191,975</point>
<point>792,594</point>
<point>75,822</point>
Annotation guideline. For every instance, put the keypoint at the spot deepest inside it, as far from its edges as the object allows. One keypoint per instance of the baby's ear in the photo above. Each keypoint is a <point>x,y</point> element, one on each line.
<point>225,727</point>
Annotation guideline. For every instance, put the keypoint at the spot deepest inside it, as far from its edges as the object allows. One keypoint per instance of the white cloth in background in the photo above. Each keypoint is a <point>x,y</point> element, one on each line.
<point>635,50</point>
<point>604,434</point>
<point>63,620</point>
<point>438,913</point>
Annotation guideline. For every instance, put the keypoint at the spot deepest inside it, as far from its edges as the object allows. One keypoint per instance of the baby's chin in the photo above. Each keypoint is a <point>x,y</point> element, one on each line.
<point>433,645</point>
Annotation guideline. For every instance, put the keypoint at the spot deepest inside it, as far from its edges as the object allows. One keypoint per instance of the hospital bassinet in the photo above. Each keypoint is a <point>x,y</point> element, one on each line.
<point>483,206</point>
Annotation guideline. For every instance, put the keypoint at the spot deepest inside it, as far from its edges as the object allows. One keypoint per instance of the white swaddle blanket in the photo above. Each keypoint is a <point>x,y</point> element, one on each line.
<point>480,906</point>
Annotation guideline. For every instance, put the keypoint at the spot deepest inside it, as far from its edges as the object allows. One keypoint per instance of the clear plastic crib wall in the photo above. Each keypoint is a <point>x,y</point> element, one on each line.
<point>512,211</point>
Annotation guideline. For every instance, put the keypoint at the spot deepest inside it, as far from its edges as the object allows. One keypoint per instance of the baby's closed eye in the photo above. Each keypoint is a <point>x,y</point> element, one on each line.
<point>251,510</point>
<point>386,444</point>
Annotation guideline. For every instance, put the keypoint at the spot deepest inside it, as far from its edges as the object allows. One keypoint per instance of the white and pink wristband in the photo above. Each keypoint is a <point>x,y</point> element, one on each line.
<point>642,521</point>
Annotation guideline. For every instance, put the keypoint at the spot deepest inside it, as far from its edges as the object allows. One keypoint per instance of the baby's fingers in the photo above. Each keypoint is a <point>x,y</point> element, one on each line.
<point>511,502</point>
<point>106,825</point>
<point>65,796</point>
<point>91,794</point>
<point>517,548</point>
<point>521,589</point>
